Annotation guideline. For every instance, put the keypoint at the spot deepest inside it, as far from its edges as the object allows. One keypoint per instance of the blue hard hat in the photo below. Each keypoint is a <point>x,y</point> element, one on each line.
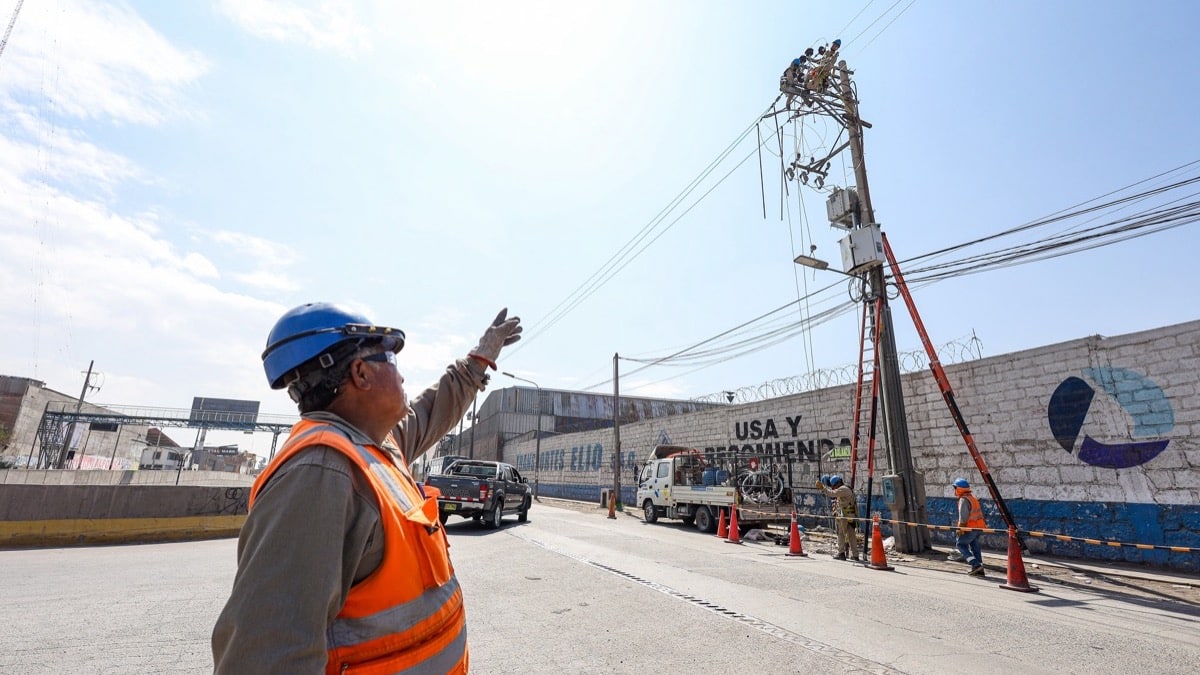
<point>308,331</point>
<point>837,43</point>
<point>795,62</point>
<point>961,483</point>
<point>825,480</point>
<point>835,480</point>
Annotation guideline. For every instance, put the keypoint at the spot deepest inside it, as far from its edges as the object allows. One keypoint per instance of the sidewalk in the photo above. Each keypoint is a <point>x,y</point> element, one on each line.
<point>1046,571</point>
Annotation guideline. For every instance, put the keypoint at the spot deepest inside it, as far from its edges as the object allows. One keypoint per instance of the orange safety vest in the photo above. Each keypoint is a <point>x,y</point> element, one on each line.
<point>975,514</point>
<point>407,615</point>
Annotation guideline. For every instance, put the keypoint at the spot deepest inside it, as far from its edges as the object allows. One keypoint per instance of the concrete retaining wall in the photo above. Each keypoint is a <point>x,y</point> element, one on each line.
<point>80,514</point>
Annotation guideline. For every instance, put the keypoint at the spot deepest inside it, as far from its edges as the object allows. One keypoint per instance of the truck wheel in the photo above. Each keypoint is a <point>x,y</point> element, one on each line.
<point>495,516</point>
<point>704,521</point>
<point>523,516</point>
<point>651,513</point>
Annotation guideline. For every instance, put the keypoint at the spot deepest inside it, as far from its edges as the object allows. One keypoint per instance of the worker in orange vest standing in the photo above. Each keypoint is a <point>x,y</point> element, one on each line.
<point>342,562</point>
<point>970,524</point>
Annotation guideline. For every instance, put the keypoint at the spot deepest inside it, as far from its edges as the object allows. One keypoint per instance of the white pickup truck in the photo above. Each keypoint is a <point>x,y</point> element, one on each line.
<point>677,482</point>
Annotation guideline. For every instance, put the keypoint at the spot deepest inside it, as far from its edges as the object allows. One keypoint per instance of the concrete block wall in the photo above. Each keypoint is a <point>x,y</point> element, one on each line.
<point>1102,475</point>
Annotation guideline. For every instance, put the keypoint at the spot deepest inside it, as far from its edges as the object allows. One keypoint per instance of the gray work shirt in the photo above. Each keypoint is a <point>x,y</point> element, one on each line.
<point>315,531</point>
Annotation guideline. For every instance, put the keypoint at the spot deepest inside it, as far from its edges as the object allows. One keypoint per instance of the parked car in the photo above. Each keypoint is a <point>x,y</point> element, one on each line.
<point>482,491</point>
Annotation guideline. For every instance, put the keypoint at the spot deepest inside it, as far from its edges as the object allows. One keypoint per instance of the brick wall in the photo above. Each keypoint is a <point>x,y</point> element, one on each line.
<point>1094,437</point>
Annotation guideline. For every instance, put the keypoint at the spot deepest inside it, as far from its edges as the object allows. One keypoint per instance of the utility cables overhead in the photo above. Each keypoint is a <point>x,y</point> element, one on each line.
<point>771,328</point>
<point>638,243</point>
<point>11,22</point>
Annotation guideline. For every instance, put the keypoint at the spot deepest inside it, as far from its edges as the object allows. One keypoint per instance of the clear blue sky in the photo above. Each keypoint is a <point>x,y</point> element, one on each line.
<point>174,176</point>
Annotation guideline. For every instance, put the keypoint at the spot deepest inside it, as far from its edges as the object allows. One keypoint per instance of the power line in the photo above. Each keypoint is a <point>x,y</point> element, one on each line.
<point>1160,218</point>
<point>11,22</point>
<point>629,251</point>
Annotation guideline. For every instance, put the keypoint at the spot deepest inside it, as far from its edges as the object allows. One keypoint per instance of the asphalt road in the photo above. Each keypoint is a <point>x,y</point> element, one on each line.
<point>572,591</point>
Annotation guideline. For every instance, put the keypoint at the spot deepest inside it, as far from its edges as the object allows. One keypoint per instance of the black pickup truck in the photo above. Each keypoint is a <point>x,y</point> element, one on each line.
<point>483,491</point>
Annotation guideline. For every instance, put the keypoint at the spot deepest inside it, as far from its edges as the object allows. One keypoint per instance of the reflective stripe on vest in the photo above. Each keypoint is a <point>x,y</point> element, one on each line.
<point>402,617</point>
<point>407,615</point>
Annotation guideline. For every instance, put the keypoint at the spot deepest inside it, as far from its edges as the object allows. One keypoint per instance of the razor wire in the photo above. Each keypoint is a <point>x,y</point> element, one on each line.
<point>958,350</point>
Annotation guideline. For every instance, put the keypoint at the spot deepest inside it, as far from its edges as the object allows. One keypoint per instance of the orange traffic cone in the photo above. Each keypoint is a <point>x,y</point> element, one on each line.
<point>721,531</point>
<point>1016,567</point>
<point>612,505</point>
<point>878,557</point>
<point>794,547</point>
<point>735,537</point>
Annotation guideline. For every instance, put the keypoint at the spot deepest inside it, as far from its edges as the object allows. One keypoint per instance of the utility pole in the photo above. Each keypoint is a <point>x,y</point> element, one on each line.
<point>474,421</point>
<point>616,434</point>
<point>87,380</point>
<point>909,539</point>
<point>537,444</point>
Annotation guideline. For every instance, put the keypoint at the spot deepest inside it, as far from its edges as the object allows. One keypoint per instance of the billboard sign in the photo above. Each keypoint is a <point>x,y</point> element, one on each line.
<point>223,413</point>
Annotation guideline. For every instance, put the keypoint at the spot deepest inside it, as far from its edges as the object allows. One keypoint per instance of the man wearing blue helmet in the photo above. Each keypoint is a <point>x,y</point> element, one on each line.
<point>846,511</point>
<point>970,524</point>
<point>342,559</point>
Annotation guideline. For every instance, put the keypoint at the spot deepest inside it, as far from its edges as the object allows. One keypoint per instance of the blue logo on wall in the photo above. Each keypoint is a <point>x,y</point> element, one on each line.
<point>1140,397</point>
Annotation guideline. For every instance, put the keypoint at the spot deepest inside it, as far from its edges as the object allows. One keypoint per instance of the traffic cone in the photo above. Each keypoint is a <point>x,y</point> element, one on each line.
<point>794,547</point>
<point>1016,567</point>
<point>721,531</point>
<point>735,537</point>
<point>878,557</point>
<point>612,505</point>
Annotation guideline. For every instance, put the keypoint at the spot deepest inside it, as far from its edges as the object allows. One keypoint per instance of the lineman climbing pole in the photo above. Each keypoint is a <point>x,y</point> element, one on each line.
<point>819,84</point>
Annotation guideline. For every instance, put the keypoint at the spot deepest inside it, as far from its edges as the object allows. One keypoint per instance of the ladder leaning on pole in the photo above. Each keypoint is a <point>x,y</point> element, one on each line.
<point>868,404</point>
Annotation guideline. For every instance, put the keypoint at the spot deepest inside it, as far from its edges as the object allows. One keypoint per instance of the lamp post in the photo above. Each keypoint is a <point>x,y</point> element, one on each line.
<point>537,444</point>
<point>474,420</point>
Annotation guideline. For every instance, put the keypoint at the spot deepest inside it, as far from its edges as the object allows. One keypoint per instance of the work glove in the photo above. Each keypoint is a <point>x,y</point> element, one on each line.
<point>502,333</point>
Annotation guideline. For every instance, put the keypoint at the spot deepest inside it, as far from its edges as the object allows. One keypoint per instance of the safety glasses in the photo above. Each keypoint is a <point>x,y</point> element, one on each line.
<point>392,338</point>
<point>381,357</point>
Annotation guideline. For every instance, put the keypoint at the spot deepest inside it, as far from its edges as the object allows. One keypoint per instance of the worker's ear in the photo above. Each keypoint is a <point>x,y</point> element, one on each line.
<point>360,375</point>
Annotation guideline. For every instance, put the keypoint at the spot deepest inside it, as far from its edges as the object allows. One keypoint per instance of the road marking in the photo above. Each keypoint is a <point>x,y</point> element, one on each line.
<point>829,651</point>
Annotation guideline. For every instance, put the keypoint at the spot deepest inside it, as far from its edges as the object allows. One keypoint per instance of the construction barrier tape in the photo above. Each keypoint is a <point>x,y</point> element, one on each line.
<point>1040,535</point>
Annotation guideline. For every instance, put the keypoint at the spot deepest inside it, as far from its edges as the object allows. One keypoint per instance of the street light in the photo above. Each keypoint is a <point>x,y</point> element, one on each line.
<point>809,261</point>
<point>537,444</point>
<point>818,264</point>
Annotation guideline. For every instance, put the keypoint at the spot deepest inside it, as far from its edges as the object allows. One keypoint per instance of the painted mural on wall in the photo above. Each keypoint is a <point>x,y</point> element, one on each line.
<point>1143,400</point>
<point>780,437</point>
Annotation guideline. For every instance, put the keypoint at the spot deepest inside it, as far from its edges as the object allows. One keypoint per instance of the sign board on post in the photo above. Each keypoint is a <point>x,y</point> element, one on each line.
<point>223,413</point>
